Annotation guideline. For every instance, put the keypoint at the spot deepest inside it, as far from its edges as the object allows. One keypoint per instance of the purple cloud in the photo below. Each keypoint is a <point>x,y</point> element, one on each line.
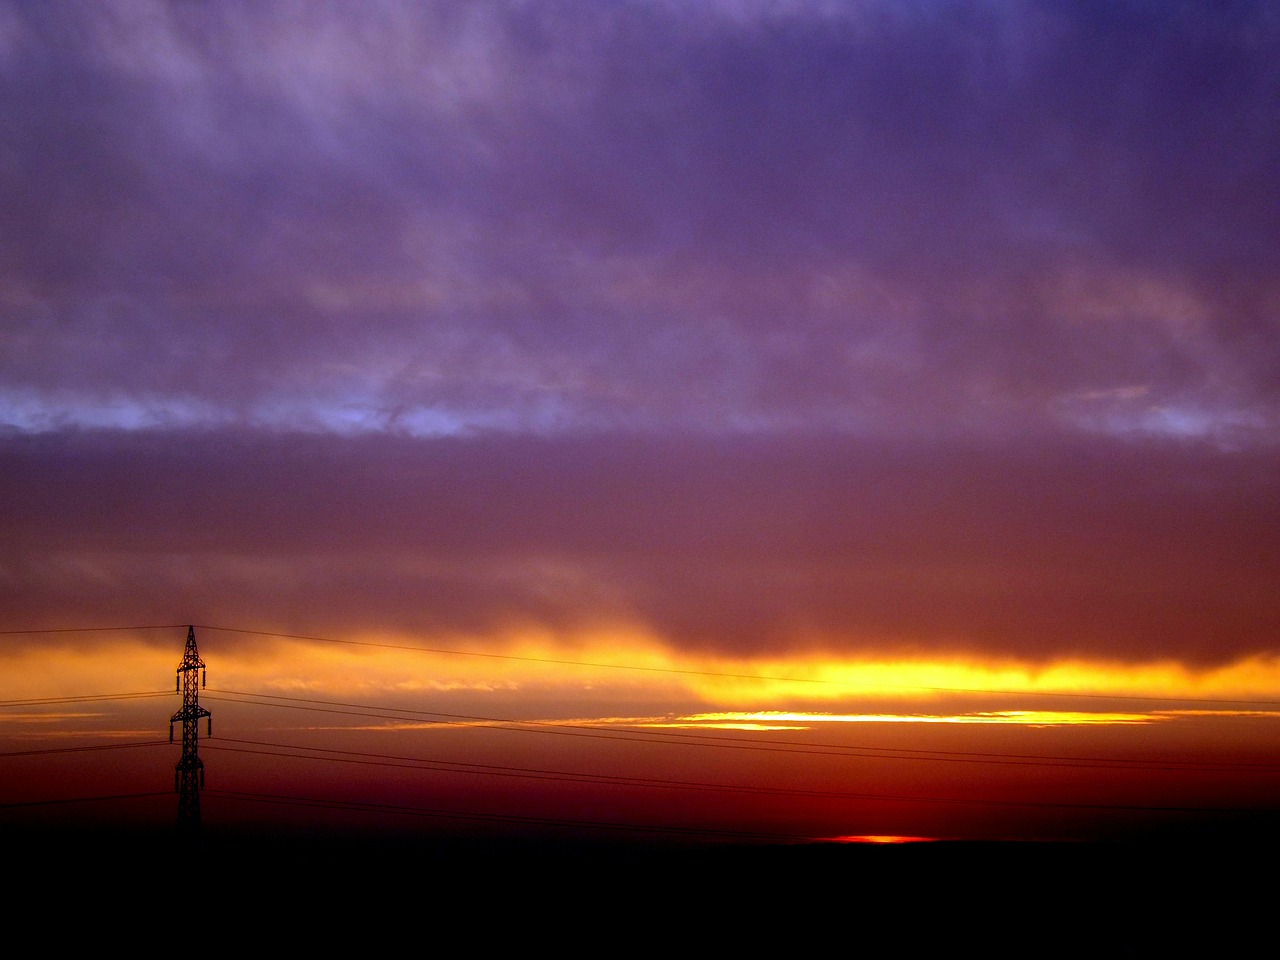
<point>449,217</point>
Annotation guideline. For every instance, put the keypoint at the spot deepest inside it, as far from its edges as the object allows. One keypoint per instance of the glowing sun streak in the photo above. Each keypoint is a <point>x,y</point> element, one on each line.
<point>776,720</point>
<point>1250,679</point>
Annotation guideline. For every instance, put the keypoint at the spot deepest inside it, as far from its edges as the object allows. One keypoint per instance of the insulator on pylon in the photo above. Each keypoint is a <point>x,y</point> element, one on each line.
<point>204,677</point>
<point>211,726</point>
<point>171,731</point>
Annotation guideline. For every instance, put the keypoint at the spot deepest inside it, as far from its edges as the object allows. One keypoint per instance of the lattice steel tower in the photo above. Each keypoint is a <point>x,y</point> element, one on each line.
<point>188,777</point>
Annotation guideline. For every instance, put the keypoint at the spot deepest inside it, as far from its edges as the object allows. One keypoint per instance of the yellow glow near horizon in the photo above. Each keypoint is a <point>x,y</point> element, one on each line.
<point>767,722</point>
<point>628,658</point>
<point>632,664</point>
<point>1250,678</point>
<point>104,668</point>
<point>770,720</point>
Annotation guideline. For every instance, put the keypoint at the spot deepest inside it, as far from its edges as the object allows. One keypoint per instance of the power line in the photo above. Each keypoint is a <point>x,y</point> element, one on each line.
<point>49,751</point>
<point>498,770</point>
<point>428,765</point>
<point>740,742</point>
<point>299,752</point>
<point>661,737</point>
<point>87,698</point>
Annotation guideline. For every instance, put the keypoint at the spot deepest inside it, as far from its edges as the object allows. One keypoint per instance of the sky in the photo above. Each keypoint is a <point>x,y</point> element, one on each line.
<point>751,419</point>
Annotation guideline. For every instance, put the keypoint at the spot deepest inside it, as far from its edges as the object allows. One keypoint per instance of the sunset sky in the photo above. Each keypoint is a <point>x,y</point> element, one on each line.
<point>769,420</point>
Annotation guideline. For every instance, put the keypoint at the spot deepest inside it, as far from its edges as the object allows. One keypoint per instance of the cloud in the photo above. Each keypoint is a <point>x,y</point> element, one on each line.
<point>558,217</point>
<point>754,327</point>
<point>1035,550</point>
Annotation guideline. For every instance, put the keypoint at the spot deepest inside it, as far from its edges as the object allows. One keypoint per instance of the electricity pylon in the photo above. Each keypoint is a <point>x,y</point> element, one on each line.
<point>188,778</point>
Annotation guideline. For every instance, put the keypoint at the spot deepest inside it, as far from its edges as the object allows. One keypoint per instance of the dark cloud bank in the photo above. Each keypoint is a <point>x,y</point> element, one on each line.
<point>743,546</point>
